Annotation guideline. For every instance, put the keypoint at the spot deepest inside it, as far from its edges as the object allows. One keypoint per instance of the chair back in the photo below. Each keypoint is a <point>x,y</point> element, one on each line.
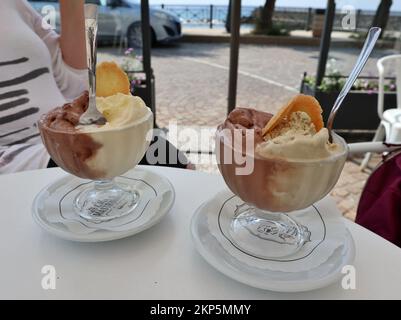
<point>389,66</point>
<point>398,81</point>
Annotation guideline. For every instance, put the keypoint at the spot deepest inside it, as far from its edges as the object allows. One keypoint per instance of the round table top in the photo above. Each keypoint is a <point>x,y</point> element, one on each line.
<point>159,263</point>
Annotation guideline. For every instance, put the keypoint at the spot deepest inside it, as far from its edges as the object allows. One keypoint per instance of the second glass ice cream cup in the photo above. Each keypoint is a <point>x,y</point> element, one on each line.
<point>272,192</point>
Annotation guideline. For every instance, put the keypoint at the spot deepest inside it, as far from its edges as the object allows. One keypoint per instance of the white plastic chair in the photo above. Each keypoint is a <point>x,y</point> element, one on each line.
<point>389,128</point>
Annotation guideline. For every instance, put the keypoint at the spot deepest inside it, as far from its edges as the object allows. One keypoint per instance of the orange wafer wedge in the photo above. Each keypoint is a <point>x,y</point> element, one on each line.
<point>301,102</point>
<point>110,80</point>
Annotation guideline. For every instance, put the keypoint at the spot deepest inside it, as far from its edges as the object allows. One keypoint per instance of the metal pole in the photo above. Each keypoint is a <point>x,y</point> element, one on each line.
<point>211,17</point>
<point>308,19</point>
<point>234,53</point>
<point>325,42</point>
<point>146,54</point>
<point>358,16</point>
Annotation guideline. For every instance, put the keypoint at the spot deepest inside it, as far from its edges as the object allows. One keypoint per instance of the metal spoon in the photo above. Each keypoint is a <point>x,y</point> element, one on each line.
<point>370,42</point>
<point>91,115</point>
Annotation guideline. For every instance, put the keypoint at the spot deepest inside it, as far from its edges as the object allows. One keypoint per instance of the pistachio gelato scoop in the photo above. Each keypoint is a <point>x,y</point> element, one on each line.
<point>297,139</point>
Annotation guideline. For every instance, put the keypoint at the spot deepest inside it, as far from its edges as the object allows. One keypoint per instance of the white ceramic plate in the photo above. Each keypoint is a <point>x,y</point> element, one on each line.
<point>321,276</point>
<point>152,185</point>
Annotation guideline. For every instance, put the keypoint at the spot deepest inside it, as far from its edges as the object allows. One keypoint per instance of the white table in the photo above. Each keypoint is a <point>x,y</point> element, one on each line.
<point>160,263</point>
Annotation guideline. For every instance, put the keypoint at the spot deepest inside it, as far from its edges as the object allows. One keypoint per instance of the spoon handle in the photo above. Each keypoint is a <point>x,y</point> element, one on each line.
<point>370,42</point>
<point>91,26</point>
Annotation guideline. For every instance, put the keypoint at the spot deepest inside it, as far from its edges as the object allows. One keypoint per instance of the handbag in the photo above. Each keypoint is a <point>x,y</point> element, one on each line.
<point>379,208</point>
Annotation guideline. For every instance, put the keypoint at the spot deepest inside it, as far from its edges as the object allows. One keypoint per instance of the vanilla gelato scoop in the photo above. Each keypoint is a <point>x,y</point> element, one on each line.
<point>297,139</point>
<point>120,110</point>
<point>124,136</point>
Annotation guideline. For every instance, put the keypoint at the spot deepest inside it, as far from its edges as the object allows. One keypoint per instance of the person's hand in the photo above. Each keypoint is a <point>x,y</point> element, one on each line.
<point>72,37</point>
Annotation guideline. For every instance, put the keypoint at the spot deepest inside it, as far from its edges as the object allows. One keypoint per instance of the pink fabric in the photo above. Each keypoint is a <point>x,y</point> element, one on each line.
<point>379,208</point>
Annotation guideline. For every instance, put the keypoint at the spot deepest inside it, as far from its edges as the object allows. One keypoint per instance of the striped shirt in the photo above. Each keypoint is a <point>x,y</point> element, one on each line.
<point>33,80</point>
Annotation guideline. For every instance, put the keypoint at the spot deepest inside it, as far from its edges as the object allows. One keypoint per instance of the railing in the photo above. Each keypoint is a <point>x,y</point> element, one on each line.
<point>210,15</point>
<point>293,18</point>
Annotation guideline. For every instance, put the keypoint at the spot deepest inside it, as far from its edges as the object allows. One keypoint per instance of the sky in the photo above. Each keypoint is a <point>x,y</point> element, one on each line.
<point>358,4</point>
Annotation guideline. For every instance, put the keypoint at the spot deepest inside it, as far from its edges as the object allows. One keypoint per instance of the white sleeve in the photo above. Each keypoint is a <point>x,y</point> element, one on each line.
<point>71,82</point>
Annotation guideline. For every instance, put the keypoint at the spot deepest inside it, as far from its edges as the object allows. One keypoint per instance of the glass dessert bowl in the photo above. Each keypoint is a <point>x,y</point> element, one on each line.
<point>100,152</point>
<point>287,173</point>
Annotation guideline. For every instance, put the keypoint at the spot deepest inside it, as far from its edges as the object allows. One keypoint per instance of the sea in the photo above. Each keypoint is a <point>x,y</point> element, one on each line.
<point>198,16</point>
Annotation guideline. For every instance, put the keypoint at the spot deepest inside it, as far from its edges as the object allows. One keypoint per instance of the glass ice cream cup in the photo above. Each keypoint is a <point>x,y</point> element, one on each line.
<point>100,155</point>
<point>273,190</point>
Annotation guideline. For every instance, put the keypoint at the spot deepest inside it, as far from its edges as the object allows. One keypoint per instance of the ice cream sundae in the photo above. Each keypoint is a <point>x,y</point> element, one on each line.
<point>101,152</point>
<point>294,164</point>
<point>98,151</point>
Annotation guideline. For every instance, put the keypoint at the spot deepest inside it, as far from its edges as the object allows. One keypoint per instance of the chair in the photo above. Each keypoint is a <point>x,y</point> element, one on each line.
<point>389,129</point>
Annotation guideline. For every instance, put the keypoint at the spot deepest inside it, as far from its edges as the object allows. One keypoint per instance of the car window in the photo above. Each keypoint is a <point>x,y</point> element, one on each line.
<point>119,3</point>
<point>94,2</point>
<point>98,2</point>
<point>130,3</point>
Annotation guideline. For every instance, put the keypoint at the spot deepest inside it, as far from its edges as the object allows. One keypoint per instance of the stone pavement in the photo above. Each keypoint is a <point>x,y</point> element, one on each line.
<point>192,78</point>
<point>349,187</point>
<point>192,84</point>
<point>335,35</point>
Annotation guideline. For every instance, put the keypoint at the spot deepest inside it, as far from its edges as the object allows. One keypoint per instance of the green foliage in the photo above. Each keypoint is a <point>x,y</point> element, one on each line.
<point>388,35</point>
<point>132,65</point>
<point>334,83</point>
<point>261,28</point>
<point>278,29</point>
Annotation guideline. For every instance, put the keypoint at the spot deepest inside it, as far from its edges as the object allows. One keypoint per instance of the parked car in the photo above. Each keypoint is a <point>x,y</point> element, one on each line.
<point>123,18</point>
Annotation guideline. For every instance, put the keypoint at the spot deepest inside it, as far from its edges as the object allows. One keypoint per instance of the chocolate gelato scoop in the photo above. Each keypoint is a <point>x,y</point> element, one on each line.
<point>68,147</point>
<point>241,118</point>
<point>66,118</point>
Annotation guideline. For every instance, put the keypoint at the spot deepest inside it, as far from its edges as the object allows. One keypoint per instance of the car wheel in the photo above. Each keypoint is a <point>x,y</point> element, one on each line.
<point>134,36</point>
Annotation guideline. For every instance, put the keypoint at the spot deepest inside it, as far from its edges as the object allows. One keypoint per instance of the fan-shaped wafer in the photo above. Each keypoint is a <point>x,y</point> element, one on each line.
<point>110,80</point>
<point>301,102</point>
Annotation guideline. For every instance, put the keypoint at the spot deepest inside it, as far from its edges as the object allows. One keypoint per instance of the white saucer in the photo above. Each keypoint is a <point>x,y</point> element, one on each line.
<point>213,252</point>
<point>53,211</point>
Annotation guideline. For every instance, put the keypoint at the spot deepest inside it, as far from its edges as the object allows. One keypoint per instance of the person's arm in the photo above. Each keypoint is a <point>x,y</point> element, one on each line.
<point>72,37</point>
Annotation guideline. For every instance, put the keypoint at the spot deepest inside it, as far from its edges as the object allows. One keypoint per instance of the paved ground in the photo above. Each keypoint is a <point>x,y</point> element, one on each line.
<point>192,79</point>
<point>192,84</point>
<point>335,35</point>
